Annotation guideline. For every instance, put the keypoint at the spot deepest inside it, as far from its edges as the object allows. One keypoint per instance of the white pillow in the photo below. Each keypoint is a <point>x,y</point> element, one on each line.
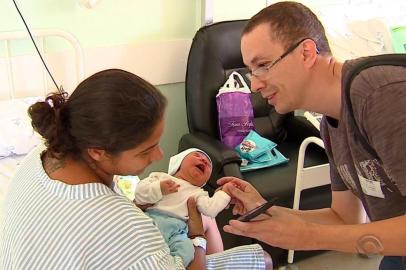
<point>17,136</point>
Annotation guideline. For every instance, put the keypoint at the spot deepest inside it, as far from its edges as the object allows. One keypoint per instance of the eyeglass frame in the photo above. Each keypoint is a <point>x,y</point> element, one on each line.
<point>264,69</point>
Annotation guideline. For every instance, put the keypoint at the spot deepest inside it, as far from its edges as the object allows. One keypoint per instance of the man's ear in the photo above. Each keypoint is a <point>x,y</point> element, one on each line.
<point>309,52</point>
<point>97,154</point>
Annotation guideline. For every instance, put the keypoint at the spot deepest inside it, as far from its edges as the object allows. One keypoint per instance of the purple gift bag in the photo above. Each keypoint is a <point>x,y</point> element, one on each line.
<point>236,116</point>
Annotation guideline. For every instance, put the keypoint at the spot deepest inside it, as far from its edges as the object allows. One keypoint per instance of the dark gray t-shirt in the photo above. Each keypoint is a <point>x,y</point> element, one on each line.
<point>378,96</point>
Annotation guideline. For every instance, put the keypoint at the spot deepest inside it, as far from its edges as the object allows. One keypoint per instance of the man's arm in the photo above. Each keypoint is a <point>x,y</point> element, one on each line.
<point>293,232</point>
<point>386,237</point>
<point>325,229</point>
<point>346,208</point>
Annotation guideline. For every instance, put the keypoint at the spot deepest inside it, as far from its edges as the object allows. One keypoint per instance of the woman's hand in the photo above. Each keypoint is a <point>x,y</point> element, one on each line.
<point>244,196</point>
<point>195,223</point>
<point>143,207</point>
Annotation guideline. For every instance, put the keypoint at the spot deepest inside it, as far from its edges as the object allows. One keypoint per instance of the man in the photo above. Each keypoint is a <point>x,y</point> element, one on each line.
<point>286,49</point>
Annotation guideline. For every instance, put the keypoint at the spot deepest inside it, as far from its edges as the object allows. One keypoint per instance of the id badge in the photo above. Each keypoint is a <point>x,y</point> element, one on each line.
<point>370,187</point>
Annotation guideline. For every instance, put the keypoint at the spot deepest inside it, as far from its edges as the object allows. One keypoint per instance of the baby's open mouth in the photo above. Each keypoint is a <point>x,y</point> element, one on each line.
<point>201,167</point>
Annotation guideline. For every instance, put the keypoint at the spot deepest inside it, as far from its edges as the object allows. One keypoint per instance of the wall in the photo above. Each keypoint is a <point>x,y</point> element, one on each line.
<point>149,38</point>
<point>152,38</point>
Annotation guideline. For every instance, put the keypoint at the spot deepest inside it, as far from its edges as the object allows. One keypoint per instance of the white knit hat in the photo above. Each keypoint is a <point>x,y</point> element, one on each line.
<point>176,160</point>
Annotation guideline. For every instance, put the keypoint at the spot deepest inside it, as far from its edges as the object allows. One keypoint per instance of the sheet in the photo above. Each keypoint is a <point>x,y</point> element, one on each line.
<point>8,167</point>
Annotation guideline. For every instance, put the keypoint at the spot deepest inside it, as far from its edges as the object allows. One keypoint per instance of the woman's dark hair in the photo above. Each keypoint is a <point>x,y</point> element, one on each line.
<point>113,110</point>
<point>289,23</point>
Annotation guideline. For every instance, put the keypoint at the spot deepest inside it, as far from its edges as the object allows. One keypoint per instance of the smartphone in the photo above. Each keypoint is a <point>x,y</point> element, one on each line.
<point>257,211</point>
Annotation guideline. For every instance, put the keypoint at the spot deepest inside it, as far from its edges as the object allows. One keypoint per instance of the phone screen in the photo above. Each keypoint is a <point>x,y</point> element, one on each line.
<point>257,211</point>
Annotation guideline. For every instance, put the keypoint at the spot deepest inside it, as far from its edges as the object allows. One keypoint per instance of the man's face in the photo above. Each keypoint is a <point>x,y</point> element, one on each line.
<point>278,82</point>
<point>195,168</point>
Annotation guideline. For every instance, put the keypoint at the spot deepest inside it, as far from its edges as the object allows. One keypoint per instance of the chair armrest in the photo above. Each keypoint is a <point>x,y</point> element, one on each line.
<point>225,160</point>
<point>299,128</point>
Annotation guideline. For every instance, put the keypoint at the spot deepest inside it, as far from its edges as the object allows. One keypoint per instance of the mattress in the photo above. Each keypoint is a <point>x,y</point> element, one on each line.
<point>8,166</point>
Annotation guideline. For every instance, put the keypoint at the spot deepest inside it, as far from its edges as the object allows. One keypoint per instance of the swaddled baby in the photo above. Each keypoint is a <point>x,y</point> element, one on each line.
<point>188,171</point>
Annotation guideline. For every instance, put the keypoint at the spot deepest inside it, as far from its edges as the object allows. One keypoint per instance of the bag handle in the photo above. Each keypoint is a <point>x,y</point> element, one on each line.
<point>232,85</point>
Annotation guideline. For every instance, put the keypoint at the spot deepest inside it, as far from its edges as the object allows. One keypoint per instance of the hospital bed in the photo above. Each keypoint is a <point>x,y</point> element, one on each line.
<point>23,81</point>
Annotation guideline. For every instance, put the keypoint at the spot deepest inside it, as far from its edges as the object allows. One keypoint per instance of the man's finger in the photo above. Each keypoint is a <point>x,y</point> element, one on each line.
<point>224,180</point>
<point>237,193</point>
<point>234,180</point>
<point>230,229</point>
<point>241,228</point>
<point>273,210</point>
<point>236,231</point>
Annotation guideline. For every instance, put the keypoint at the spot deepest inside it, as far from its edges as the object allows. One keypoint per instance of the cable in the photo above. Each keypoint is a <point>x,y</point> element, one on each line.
<point>60,89</point>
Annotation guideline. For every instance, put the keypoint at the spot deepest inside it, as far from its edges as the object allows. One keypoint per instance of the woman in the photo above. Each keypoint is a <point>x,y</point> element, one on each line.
<point>61,212</point>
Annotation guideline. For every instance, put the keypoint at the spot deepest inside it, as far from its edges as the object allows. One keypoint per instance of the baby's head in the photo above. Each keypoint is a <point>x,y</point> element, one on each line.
<point>192,165</point>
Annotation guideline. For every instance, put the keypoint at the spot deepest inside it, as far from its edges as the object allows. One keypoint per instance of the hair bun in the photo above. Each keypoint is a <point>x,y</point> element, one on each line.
<point>45,114</point>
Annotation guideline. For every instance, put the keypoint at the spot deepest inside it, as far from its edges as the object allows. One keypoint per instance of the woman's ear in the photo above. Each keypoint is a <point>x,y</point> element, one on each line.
<point>97,154</point>
<point>310,52</point>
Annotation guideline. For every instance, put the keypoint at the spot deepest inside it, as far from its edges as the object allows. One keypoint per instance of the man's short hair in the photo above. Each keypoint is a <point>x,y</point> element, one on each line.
<point>290,22</point>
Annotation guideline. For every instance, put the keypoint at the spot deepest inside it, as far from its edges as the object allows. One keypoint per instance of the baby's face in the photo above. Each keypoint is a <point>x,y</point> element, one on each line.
<point>195,168</point>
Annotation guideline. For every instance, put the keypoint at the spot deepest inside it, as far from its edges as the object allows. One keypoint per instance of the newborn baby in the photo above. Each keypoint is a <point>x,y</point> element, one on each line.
<point>188,171</point>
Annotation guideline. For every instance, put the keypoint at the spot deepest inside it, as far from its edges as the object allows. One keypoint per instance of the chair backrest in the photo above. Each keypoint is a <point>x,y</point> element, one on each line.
<point>215,53</point>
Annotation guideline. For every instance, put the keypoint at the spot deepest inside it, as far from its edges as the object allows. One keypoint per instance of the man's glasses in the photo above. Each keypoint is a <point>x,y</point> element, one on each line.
<point>262,70</point>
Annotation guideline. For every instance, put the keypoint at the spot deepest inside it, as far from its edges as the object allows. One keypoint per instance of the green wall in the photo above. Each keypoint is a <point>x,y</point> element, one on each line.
<point>110,22</point>
<point>119,22</point>
<point>176,124</point>
<point>116,22</point>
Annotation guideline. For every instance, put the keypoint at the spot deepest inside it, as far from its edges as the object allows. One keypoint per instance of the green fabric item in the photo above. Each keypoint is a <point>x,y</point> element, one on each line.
<point>399,39</point>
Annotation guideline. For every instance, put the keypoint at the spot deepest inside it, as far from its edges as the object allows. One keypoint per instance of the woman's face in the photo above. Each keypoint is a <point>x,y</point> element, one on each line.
<point>134,161</point>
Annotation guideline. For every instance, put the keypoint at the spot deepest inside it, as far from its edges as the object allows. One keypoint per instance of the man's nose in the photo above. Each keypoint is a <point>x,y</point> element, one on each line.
<point>256,84</point>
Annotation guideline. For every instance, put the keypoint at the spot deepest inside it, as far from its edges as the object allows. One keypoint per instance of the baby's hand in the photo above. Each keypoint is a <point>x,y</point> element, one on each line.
<point>168,187</point>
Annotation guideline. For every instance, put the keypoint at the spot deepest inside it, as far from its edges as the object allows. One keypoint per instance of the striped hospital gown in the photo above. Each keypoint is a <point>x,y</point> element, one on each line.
<point>50,225</point>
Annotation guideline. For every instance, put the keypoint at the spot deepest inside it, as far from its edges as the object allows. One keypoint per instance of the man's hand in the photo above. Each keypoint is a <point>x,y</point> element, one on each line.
<point>243,195</point>
<point>283,229</point>
<point>226,188</point>
<point>168,187</point>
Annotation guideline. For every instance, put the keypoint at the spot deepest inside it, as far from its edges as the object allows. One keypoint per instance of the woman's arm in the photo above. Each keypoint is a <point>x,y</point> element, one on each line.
<point>195,226</point>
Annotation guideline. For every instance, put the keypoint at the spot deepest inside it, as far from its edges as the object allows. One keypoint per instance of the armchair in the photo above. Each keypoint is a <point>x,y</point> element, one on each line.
<point>214,54</point>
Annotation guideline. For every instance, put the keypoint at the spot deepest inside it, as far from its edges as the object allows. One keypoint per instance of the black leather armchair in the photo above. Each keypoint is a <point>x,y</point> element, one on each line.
<point>214,54</point>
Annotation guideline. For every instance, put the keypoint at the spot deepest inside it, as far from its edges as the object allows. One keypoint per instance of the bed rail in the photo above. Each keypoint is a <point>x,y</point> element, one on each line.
<point>40,36</point>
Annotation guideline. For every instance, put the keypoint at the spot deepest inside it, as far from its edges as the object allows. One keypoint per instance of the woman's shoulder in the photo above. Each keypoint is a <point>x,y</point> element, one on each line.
<point>117,204</point>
